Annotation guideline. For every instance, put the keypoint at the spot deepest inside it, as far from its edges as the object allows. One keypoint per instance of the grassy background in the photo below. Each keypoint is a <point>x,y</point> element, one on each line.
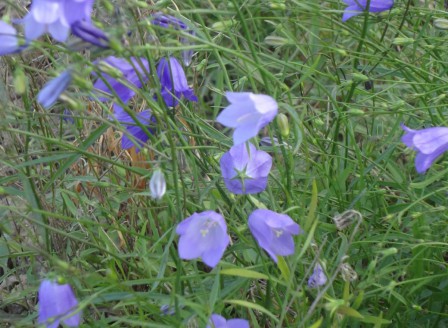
<point>73,204</point>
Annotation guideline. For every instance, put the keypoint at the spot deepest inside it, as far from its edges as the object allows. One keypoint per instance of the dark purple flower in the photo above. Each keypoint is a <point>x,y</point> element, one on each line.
<point>203,235</point>
<point>174,82</point>
<point>318,278</point>
<point>273,232</point>
<point>134,73</point>
<point>245,172</point>
<point>217,321</point>
<point>56,303</point>
<point>51,91</point>
<point>429,143</point>
<point>55,17</point>
<point>357,7</point>
<point>248,113</point>
<point>168,21</point>
<point>139,136</point>
<point>9,42</point>
<point>90,33</point>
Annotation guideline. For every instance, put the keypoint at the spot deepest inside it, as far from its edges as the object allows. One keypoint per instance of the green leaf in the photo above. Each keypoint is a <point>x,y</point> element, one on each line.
<point>317,323</point>
<point>284,269</point>
<point>252,306</point>
<point>345,310</point>
<point>244,273</point>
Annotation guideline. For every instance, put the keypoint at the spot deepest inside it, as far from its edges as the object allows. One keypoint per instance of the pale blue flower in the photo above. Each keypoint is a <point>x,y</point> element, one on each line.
<point>203,235</point>
<point>51,91</point>
<point>430,144</point>
<point>217,321</point>
<point>247,113</point>
<point>273,232</point>
<point>56,303</point>
<point>357,7</point>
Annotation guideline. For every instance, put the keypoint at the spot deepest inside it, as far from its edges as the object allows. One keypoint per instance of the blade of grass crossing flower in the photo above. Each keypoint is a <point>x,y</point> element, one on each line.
<point>252,306</point>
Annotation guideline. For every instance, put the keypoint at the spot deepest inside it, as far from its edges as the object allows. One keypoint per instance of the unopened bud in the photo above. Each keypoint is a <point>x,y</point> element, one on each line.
<point>441,23</point>
<point>19,81</point>
<point>110,70</point>
<point>275,41</point>
<point>283,124</point>
<point>358,77</point>
<point>403,41</point>
<point>157,185</point>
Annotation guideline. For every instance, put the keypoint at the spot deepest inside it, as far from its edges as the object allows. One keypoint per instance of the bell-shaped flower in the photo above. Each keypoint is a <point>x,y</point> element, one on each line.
<point>245,169</point>
<point>135,135</point>
<point>318,278</point>
<point>430,144</point>
<point>203,235</point>
<point>57,303</point>
<point>51,91</point>
<point>90,33</point>
<point>174,82</point>
<point>9,42</point>
<point>357,7</point>
<point>247,113</point>
<point>217,321</point>
<point>157,185</point>
<point>55,17</point>
<point>273,232</point>
<point>135,73</point>
<point>168,21</point>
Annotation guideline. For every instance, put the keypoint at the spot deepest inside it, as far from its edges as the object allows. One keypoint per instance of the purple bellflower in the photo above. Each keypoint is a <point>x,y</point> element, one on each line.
<point>90,33</point>
<point>134,73</point>
<point>9,42</point>
<point>56,303</point>
<point>51,91</point>
<point>55,17</point>
<point>248,113</point>
<point>168,21</point>
<point>357,7</point>
<point>273,232</point>
<point>318,278</point>
<point>430,144</point>
<point>245,172</point>
<point>217,321</point>
<point>139,136</point>
<point>203,235</point>
<point>173,81</point>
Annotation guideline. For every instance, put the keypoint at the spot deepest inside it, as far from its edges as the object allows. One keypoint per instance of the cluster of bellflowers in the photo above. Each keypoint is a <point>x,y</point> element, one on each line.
<point>244,168</point>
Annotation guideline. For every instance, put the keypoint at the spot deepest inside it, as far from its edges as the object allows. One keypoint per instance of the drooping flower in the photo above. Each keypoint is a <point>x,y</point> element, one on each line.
<point>9,42</point>
<point>357,7</point>
<point>135,72</point>
<point>139,136</point>
<point>273,232</point>
<point>203,235</point>
<point>248,113</point>
<point>429,143</point>
<point>217,321</point>
<point>245,172</point>
<point>157,185</point>
<point>55,17</point>
<point>51,91</point>
<point>56,303</point>
<point>174,82</point>
<point>168,21</point>
<point>90,33</point>
<point>318,278</point>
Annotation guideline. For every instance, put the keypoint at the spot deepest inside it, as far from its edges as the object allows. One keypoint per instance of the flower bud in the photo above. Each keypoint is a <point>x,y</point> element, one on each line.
<point>19,81</point>
<point>283,124</point>
<point>157,185</point>
<point>347,272</point>
<point>441,23</point>
<point>345,219</point>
